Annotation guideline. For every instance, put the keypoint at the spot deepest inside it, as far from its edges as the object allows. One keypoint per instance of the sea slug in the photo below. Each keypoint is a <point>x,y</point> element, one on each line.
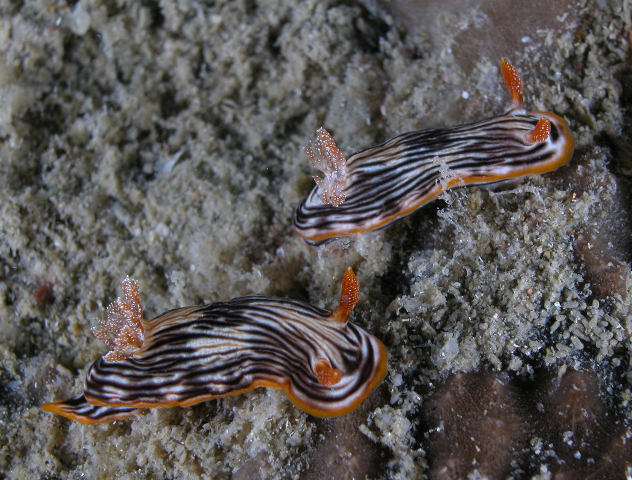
<point>325,364</point>
<point>384,183</point>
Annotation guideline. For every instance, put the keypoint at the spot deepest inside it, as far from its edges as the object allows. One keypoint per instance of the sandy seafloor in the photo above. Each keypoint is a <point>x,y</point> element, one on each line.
<point>165,141</point>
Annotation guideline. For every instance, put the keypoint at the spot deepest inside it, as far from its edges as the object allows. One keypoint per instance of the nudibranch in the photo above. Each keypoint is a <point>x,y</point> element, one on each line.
<point>326,364</point>
<point>384,183</point>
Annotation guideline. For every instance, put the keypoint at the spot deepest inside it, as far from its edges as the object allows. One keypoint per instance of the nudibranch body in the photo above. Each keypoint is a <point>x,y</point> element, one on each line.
<point>325,364</point>
<point>389,181</point>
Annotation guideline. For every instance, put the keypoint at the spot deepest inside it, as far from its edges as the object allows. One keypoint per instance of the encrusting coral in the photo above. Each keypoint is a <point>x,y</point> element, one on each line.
<point>487,425</point>
<point>476,425</point>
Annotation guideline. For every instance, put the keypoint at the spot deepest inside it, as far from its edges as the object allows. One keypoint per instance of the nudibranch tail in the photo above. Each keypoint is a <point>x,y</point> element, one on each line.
<point>325,364</point>
<point>393,179</point>
<point>78,408</point>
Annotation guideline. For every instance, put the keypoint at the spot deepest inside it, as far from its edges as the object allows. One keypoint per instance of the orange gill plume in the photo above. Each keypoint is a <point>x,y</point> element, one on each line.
<point>329,159</point>
<point>122,329</point>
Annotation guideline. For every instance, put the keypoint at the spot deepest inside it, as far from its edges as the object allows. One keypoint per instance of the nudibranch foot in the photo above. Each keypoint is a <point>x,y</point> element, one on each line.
<point>325,364</point>
<point>391,180</point>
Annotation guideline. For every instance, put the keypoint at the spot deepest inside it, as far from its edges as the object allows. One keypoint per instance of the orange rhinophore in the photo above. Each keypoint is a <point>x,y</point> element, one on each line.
<point>540,132</point>
<point>326,374</point>
<point>348,296</point>
<point>513,83</point>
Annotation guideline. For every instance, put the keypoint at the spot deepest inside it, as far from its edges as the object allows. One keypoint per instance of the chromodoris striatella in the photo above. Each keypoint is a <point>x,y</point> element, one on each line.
<point>384,183</point>
<point>326,364</point>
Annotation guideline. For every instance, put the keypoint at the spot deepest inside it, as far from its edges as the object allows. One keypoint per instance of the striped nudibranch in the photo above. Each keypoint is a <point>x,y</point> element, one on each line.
<point>325,364</point>
<point>381,184</point>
